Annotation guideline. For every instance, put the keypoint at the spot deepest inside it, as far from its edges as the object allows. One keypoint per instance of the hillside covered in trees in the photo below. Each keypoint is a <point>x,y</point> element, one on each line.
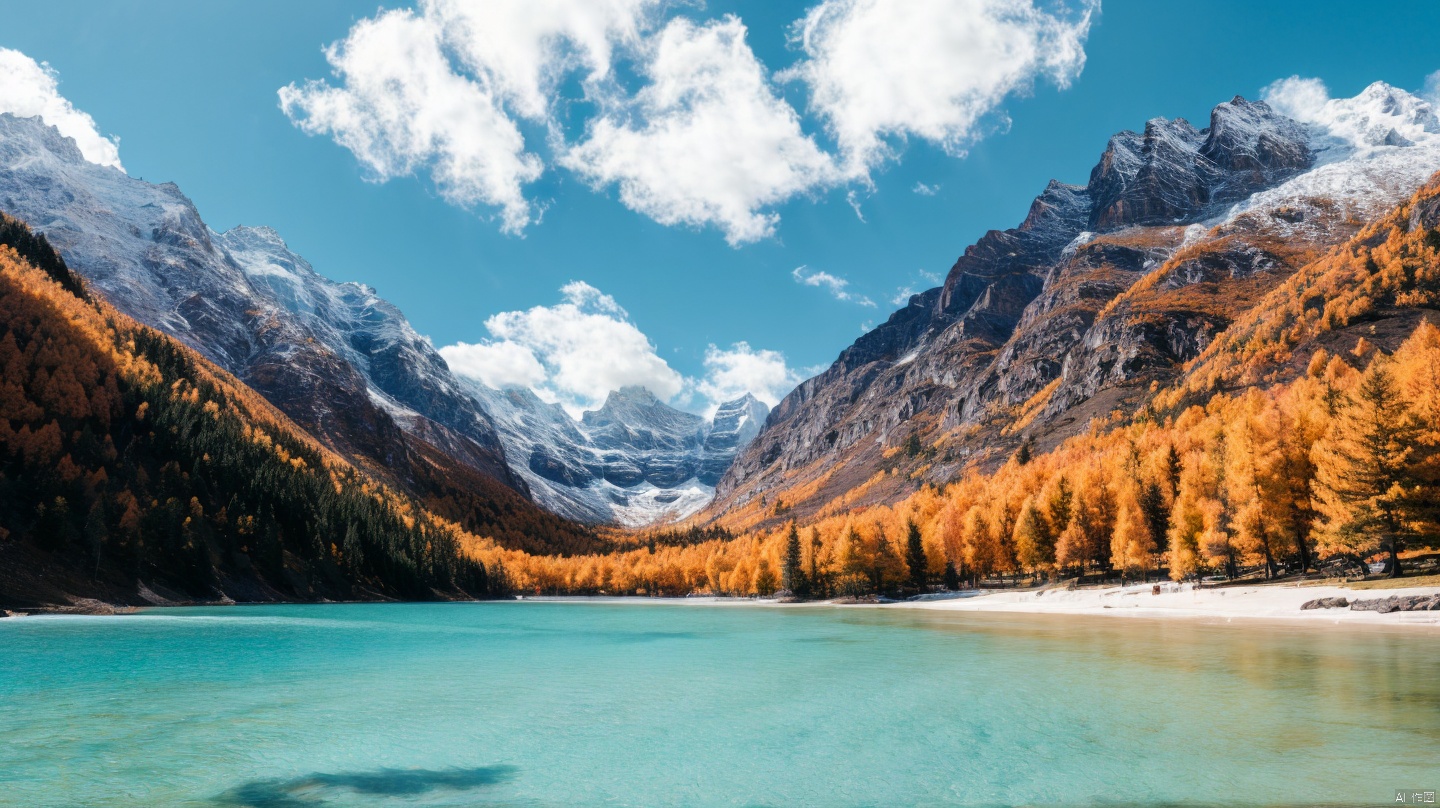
<point>133,469</point>
<point>1305,435</point>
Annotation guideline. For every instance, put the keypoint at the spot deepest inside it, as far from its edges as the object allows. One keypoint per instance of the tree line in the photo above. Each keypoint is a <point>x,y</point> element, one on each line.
<point>125,455</point>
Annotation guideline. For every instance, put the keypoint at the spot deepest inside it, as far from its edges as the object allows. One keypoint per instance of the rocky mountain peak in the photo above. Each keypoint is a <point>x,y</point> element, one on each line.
<point>345,366</point>
<point>634,461</point>
<point>33,134</point>
<point>1048,322</point>
<point>1175,173</point>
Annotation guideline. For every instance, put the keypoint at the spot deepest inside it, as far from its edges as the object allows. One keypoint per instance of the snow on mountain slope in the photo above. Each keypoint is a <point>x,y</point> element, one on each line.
<point>1104,287</point>
<point>344,362</point>
<point>1372,152</point>
<point>341,361</point>
<point>635,461</point>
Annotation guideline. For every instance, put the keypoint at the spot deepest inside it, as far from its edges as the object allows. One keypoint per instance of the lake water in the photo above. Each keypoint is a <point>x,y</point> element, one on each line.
<point>559,704</point>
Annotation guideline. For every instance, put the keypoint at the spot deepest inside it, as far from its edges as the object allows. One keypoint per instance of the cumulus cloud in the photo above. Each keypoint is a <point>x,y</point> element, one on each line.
<point>932,69</point>
<point>926,190</point>
<point>837,287</point>
<point>29,89</point>
<point>585,346</point>
<point>730,374</point>
<point>402,108</point>
<point>706,141</point>
<point>577,351</point>
<point>678,114</point>
<point>499,365</point>
<point>525,48</point>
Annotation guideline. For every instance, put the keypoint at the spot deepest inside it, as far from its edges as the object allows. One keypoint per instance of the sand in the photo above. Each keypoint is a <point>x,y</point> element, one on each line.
<point>1261,601</point>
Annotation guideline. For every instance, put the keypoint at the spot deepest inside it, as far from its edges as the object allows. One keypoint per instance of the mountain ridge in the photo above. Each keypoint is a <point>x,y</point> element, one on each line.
<point>635,461</point>
<point>339,359</point>
<point>1101,290</point>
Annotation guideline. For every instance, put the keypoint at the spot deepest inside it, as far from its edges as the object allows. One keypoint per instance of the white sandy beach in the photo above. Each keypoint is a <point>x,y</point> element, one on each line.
<point>1258,602</point>
<point>1269,602</point>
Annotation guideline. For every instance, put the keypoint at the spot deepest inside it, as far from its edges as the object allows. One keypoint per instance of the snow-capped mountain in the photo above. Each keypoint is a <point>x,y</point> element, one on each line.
<point>635,461</point>
<point>340,361</point>
<point>1105,288</point>
<point>343,362</point>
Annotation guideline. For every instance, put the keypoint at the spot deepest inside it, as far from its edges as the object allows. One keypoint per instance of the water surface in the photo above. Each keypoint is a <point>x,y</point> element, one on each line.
<point>551,704</point>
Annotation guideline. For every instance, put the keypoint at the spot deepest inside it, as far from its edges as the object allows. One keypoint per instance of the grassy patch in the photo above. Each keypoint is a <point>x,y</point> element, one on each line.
<point>1395,583</point>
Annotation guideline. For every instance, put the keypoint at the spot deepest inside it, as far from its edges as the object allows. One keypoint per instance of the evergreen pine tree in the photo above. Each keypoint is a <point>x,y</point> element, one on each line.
<point>1364,484</point>
<point>1157,516</point>
<point>817,582</point>
<point>952,577</point>
<point>792,573</point>
<point>915,554</point>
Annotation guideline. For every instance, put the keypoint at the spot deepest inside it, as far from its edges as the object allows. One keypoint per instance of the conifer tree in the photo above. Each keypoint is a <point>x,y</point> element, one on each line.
<point>1366,489</point>
<point>764,578</point>
<point>792,573</point>
<point>1034,541</point>
<point>952,577</point>
<point>915,554</point>
<point>1157,517</point>
<point>1132,545</point>
<point>817,583</point>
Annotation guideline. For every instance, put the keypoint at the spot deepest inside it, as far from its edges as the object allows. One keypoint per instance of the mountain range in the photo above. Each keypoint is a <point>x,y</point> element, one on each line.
<point>1106,291</point>
<point>1103,293</point>
<point>347,366</point>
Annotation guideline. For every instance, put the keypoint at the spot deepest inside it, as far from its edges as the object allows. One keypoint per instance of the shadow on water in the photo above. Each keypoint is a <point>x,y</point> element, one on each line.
<point>314,790</point>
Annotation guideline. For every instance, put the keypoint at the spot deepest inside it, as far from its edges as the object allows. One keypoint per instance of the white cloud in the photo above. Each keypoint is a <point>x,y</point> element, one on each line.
<point>525,49</point>
<point>402,108</point>
<point>837,287</point>
<point>853,200</point>
<point>732,373</point>
<point>1301,99</point>
<point>706,141</point>
<point>1432,88</point>
<point>29,89</point>
<point>585,346</point>
<point>496,364</point>
<point>933,69</point>
<point>580,349</point>
<point>926,190</point>
<point>902,296</point>
<point>679,114</point>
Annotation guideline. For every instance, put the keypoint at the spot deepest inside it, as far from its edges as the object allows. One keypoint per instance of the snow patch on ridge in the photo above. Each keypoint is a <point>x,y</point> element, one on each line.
<point>1372,151</point>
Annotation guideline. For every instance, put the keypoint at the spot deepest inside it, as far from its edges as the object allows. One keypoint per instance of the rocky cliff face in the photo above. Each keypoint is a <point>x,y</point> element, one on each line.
<point>1102,289</point>
<point>635,461</point>
<point>340,361</point>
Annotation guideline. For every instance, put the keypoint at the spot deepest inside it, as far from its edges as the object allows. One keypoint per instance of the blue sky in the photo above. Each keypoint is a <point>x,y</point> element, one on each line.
<point>190,89</point>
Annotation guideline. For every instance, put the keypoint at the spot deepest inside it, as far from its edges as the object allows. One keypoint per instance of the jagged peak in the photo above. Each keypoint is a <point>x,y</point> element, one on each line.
<point>47,136</point>
<point>631,394</point>
<point>263,233</point>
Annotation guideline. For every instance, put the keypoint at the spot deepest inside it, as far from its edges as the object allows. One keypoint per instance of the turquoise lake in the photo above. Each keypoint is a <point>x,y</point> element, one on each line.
<point>656,704</point>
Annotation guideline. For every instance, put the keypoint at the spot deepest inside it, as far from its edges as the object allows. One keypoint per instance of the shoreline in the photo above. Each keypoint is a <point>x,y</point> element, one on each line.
<point>1258,602</point>
<point>1281,601</point>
